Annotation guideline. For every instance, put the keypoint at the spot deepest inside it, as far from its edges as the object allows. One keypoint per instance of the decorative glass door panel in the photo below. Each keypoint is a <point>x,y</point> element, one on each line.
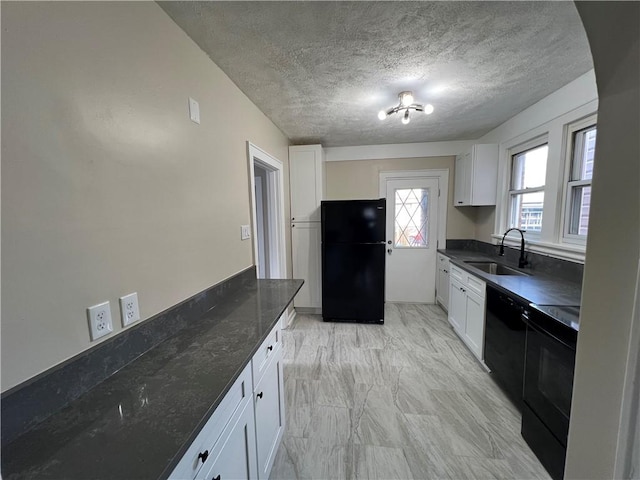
<point>411,218</point>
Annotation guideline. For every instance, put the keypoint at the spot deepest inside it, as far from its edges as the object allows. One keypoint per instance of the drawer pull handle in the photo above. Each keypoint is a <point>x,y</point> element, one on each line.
<point>203,456</point>
<point>259,395</point>
<point>216,478</point>
<point>270,347</point>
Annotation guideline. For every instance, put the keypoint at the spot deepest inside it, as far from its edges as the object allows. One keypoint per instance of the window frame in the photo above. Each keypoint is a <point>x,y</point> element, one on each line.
<point>512,193</point>
<point>570,185</point>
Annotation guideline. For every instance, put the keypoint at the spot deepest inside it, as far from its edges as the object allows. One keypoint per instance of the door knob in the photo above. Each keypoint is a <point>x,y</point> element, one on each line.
<point>389,251</point>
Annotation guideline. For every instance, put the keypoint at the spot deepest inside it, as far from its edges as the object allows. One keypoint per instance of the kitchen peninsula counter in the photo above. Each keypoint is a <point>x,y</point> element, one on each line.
<point>139,421</point>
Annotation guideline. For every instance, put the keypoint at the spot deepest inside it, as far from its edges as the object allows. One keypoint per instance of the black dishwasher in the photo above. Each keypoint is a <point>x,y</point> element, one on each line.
<point>504,342</point>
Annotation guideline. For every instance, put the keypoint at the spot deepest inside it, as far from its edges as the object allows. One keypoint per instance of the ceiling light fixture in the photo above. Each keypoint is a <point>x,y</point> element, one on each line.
<point>405,104</point>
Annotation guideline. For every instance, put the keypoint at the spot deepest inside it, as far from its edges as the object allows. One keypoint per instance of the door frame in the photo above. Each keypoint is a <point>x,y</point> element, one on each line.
<point>442,175</point>
<point>275,209</point>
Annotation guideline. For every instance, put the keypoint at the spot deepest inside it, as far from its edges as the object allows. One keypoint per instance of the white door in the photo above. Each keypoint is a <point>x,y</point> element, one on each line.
<point>263,263</point>
<point>412,233</point>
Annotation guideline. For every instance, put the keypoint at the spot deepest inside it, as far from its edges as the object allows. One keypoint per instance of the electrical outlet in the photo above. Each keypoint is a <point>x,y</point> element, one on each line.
<point>245,232</point>
<point>99,317</point>
<point>129,309</point>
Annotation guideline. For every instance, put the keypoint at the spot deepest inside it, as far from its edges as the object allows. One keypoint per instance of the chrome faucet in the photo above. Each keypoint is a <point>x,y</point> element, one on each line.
<point>522,262</point>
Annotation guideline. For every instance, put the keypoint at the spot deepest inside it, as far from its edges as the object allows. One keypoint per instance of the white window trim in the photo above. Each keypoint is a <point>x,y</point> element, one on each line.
<point>554,128</point>
<point>511,152</point>
<point>568,238</point>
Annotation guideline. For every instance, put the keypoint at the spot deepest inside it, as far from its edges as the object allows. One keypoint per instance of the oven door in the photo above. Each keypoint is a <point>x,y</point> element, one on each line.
<point>548,379</point>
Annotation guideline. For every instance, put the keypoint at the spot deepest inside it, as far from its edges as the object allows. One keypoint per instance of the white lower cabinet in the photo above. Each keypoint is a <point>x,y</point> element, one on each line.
<point>467,309</point>
<point>442,288</point>
<point>241,439</point>
<point>457,305</point>
<point>474,325</point>
<point>269,408</point>
<point>233,456</point>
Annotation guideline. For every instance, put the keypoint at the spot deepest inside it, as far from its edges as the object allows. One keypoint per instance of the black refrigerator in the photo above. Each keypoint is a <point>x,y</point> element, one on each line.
<point>353,256</point>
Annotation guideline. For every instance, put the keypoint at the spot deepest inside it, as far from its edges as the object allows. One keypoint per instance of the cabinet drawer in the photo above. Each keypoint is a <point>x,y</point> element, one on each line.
<point>198,452</point>
<point>262,357</point>
<point>458,274</point>
<point>475,285</point>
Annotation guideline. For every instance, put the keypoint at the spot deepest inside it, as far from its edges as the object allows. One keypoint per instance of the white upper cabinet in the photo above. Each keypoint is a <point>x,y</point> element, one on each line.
<point>307,175</point>
<point>476,176</point>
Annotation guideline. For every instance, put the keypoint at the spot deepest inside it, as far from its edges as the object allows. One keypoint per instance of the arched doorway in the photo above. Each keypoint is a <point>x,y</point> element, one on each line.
<point>602,437</point>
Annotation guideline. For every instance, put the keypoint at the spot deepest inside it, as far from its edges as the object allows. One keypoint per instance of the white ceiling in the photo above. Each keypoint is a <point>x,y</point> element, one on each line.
<point>321,71</point>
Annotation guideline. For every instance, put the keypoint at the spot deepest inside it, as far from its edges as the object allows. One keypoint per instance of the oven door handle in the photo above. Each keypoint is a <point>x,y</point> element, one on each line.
<point>525,318</point>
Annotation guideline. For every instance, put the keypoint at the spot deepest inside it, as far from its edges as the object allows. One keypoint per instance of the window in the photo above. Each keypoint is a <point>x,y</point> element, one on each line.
<point>578,200</point>
<point>526,192</point>
<point>411,218</point>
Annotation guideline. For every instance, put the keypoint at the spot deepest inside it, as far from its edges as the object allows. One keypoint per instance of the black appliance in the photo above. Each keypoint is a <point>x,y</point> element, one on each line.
<point>504,342</point>
<point>353,256</point>
<point>552,333</point>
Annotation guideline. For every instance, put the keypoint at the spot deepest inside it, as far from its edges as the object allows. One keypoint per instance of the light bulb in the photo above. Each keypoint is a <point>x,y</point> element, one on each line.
<point>405,117</point>
<point>382,114</point>
<point>406,99</point>
<point>428,109</point>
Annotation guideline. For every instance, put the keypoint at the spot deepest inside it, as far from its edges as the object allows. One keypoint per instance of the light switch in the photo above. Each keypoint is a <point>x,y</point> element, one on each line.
<point>194,110</point>
<point>245,232</point>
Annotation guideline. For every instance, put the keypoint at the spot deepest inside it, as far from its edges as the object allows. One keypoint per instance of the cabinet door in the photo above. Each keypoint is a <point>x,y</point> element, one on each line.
<point>484,174</point>
<point>474,327</point>
<point>306,182</point>
<point>462,184</point>
<point>457,306</point>
<point>443,288</point>
<point>234,456</point>
<point>305,245</point>
<point>269,411</point>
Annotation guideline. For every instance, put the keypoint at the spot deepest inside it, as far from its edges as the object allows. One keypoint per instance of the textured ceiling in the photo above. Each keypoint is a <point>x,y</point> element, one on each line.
<point>321,71</point>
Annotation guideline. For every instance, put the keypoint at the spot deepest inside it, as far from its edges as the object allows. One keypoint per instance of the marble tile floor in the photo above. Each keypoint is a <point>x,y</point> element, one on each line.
<point>403,400</point>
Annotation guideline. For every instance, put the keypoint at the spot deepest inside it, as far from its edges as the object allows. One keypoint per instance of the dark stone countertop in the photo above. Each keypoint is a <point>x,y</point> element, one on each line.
<point>536,287</point>
<point>139,422</point>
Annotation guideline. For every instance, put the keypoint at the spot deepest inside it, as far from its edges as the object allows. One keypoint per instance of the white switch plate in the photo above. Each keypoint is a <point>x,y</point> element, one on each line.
<point>129,309</point>
<point>99,317</point>
<point>194,110</point>
<point>245,232</point>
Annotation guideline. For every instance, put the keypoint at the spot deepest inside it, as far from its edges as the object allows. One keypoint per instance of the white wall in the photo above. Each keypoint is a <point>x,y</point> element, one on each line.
<point>613,251</point>
<point>107,186</point>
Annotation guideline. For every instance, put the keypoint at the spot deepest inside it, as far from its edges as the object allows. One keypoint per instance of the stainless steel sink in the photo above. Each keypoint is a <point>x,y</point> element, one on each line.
<point>495,268</point>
